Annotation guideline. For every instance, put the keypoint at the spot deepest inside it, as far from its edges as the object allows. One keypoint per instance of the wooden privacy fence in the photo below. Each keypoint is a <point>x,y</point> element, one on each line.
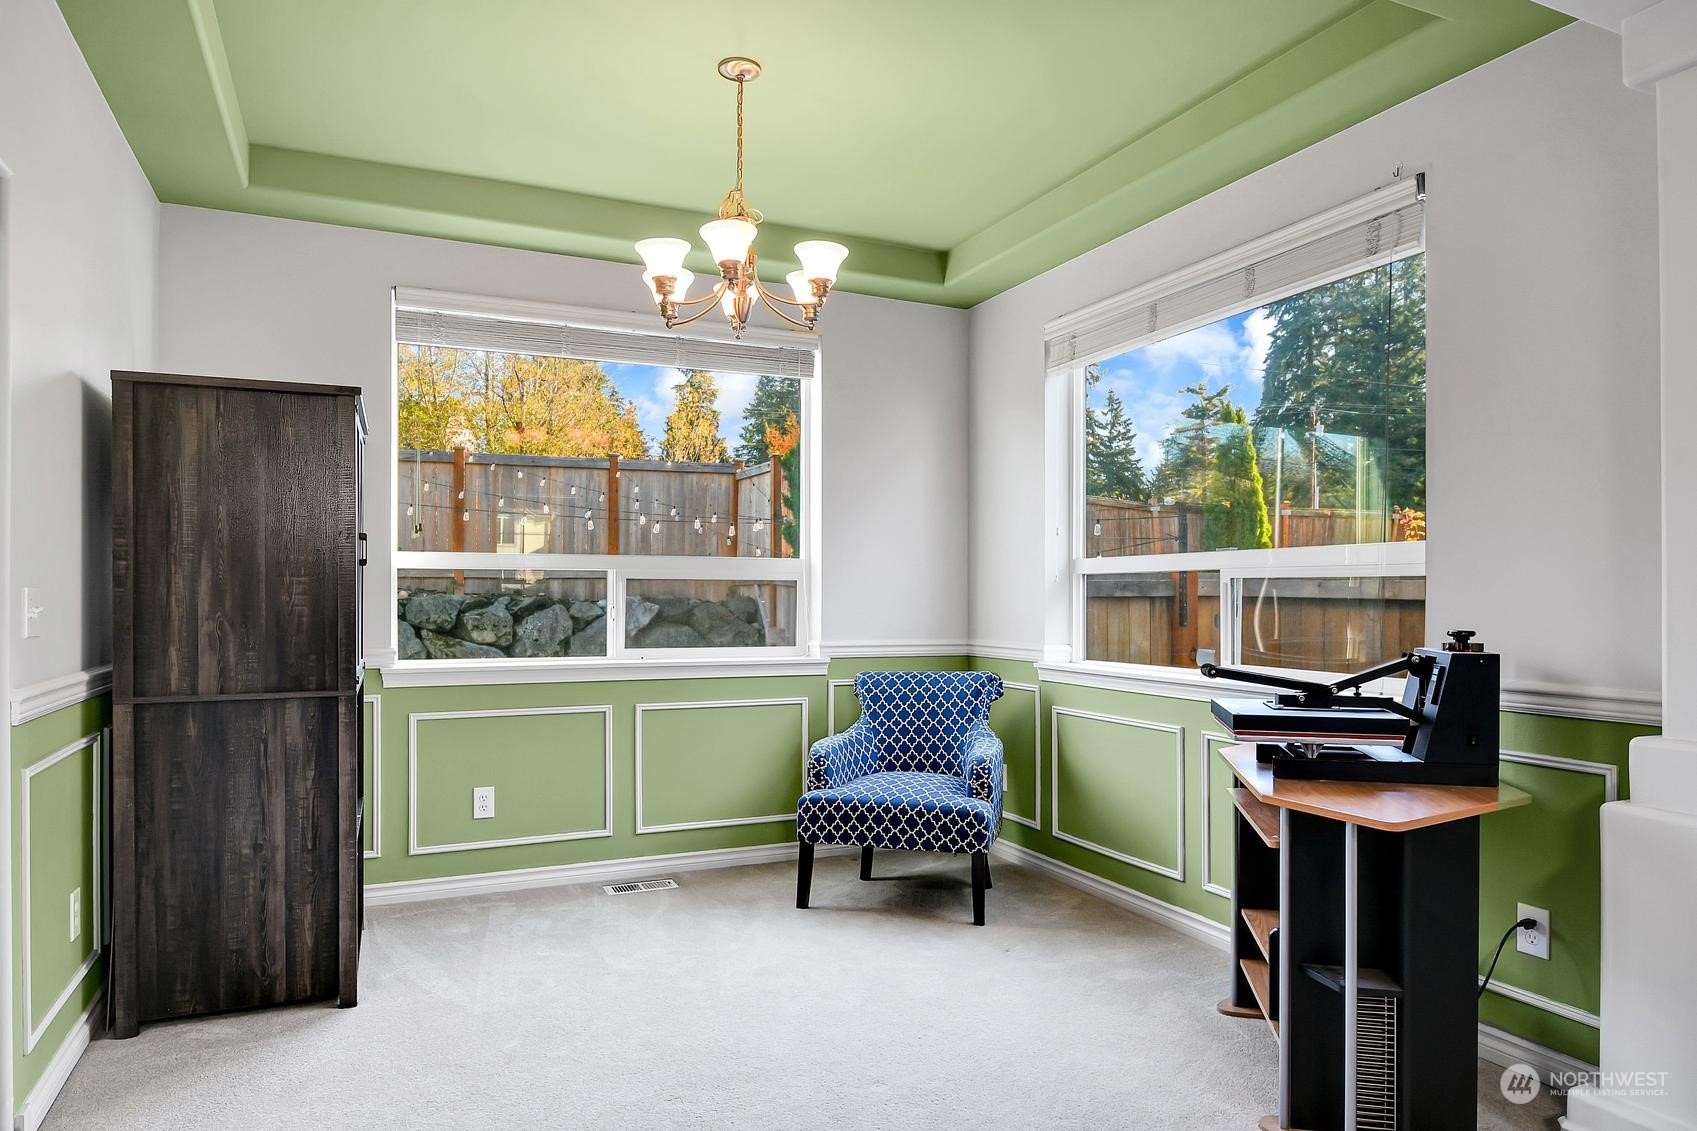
<point>1326,624</point>
<point>1116,528</point>
<point>478,503</point>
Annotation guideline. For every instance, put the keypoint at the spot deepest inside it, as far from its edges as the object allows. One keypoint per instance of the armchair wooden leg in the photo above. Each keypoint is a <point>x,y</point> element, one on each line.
<point>980,874</point>
<point>988,883</point>
<point>866,862</point>
<point>803,875</point>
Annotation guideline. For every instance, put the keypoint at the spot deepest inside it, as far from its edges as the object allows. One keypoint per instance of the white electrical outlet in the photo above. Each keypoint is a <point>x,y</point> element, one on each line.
<point>482,802</point>
<point>1533,940</point>
<point>76,914</point>
<point>32,610</point>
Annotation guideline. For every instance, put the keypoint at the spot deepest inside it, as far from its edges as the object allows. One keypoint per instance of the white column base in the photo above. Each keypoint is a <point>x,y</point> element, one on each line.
<point>1649,990</point>
<point>1588,1111</point>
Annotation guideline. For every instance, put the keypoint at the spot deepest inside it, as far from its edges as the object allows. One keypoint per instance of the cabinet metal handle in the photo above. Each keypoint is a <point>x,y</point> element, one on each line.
<point>364,556</point>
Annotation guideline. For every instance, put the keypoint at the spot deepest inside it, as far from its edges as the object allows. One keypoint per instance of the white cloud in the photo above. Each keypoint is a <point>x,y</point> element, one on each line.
<point>1258,336</point>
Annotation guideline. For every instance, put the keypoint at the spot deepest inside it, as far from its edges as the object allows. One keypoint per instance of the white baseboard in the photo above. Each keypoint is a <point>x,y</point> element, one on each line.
<point>590,872</point>
<point>1188,922</point>
<point>1504,1048</point>
<point>46,1090</point>
<point>1495,1045</point>
<point>51,695</point>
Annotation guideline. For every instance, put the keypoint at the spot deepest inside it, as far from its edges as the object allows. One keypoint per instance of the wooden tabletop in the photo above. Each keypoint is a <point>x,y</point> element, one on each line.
<point>1378,805</point>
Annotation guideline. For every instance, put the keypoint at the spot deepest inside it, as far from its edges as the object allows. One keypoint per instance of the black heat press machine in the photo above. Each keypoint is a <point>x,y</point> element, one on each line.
<point>1442,730</point>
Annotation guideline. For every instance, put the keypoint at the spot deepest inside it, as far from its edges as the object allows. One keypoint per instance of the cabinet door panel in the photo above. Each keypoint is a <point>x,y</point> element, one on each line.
<point>240,543</point>
<point>236,835</point>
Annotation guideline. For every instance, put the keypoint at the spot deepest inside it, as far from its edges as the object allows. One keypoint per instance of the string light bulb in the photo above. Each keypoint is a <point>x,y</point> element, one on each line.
<point>465,516</point>
<point>409,508</point>
<point>1097,530</point>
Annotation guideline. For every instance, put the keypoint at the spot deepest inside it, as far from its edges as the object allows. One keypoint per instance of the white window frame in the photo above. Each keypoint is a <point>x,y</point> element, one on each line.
<point>620,570</point>
<point>1065,656</point>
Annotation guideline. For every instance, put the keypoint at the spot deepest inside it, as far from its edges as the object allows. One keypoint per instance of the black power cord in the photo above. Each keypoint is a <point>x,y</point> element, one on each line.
<point>1527,924</point>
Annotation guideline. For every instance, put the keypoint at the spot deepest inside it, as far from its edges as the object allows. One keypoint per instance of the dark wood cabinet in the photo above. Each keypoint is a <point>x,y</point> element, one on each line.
<point>237,563</point>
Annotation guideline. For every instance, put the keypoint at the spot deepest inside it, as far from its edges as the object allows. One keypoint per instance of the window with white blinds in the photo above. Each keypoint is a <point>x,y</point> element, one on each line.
<point>1379,229</point>
<point>573,487</point>
<point>417,322</point>
<point>1246,452</point>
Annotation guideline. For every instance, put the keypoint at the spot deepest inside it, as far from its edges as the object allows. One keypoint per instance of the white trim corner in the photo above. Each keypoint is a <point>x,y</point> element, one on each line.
<point>41,699</point>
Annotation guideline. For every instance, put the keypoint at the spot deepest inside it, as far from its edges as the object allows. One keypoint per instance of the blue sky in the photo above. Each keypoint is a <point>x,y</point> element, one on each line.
<point>1232,351</point>
<point>649,387</point>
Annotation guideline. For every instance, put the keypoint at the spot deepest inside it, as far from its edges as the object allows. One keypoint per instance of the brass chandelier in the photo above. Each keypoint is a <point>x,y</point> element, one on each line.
<point>730,240</point>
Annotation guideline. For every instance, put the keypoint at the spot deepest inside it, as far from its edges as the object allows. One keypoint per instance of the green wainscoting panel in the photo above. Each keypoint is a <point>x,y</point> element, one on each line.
<point>1118,788</point>
<point>61,844</point>
<point>551,769</point>
<point>1017,720</point>
<point>58,845</point>
<point>484,745</point>
<point>706,765</point>
<point>1217,814</point>
<point>372,732</point>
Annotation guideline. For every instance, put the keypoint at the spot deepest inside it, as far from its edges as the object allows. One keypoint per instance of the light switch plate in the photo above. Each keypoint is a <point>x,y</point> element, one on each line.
<point>482,802</point>
<point>76,914</point>
<point>30,615</point>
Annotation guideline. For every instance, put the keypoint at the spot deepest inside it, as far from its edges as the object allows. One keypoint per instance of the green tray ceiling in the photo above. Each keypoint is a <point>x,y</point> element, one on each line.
<point>958,147</point>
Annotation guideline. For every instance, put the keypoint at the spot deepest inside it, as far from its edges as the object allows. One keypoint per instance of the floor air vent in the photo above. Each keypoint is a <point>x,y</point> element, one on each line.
<point>639,885</point>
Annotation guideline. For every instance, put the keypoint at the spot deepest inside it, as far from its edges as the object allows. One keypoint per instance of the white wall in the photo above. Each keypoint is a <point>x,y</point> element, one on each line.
<point>1542,356</point>
<point>83,243</point>
<point>248,296</point>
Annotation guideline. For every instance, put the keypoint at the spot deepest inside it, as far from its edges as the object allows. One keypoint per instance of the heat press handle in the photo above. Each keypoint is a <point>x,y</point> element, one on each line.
<point>1214,671</point>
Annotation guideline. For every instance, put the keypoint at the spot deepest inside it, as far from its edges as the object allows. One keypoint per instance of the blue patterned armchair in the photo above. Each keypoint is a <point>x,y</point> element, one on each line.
<point>919,770</point>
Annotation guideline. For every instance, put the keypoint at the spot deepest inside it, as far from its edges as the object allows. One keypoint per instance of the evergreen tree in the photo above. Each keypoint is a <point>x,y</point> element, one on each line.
<point>692,430</point>
<point>1112,468</point>
<point>776,401</point>
<point>1350,358</point>
<point>1188,454</point>
<point>1235,511</point>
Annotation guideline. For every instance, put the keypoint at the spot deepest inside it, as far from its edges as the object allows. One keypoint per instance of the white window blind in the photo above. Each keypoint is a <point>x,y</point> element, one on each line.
<point>1367,233</point>
<point>427,327</point>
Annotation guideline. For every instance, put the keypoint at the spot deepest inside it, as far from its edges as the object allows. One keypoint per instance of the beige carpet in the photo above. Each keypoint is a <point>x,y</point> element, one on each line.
<point>721,1005</point>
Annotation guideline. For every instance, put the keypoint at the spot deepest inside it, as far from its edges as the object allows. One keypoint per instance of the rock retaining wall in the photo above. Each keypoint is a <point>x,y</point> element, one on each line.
<point>434,625</point>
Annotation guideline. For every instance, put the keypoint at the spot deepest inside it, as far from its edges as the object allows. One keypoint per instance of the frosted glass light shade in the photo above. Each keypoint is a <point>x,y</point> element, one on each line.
<point>663,255</point>
<point>800,287</point>
<point>821,258</point>
<point>680,288</point>
<point>728,240</point>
